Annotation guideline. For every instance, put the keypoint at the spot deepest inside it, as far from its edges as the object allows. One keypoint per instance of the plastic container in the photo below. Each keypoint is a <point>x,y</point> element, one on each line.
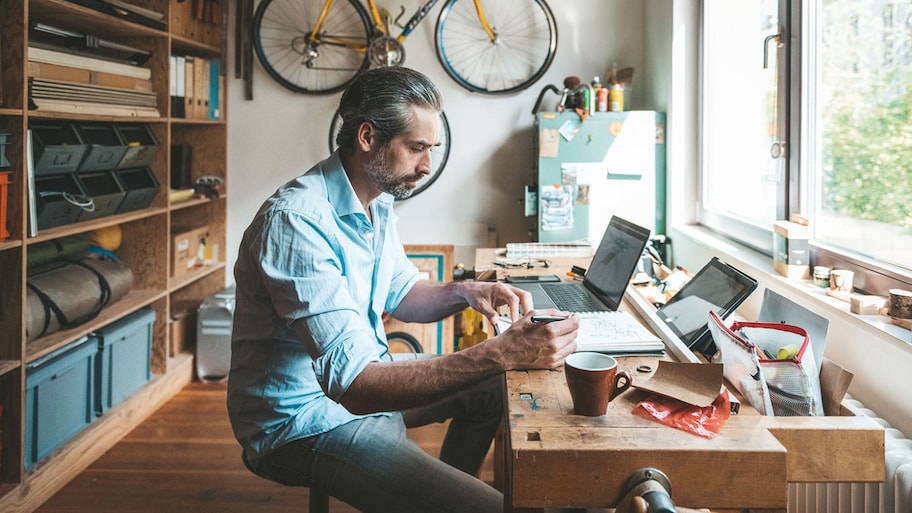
<point>124,358</point>
<point>59,398</point>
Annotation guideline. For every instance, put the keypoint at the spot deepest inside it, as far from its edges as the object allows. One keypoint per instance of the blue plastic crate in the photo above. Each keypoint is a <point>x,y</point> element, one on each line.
<point>123,362</point>
<point>59,400</point>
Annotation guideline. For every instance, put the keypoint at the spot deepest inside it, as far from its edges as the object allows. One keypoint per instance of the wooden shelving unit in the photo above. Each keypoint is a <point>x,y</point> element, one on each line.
<point>146,234</point>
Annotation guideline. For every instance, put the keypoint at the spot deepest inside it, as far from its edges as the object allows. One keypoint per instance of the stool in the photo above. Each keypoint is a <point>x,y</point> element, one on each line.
<point>319,500</point>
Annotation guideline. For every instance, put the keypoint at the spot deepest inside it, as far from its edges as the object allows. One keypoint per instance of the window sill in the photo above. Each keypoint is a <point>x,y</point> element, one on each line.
<point>805,292</point>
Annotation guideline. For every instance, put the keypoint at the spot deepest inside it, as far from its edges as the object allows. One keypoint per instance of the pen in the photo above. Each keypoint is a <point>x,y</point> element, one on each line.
<point>544,319</point>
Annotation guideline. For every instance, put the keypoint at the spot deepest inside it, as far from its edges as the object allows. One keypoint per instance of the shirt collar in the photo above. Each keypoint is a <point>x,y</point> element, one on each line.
<point>340,192</point>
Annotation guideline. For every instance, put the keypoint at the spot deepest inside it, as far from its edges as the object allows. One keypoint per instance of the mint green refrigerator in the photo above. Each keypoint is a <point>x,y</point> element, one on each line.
<point>610,163</point>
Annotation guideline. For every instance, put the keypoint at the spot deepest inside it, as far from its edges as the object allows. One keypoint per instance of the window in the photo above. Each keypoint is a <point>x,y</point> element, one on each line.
<point>807,108</point>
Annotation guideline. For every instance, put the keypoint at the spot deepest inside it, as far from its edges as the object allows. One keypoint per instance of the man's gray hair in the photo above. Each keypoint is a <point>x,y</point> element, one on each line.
<point>382,97</point>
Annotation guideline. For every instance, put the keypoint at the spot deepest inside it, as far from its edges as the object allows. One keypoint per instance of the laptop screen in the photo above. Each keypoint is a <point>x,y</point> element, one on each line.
<point>615,261</point>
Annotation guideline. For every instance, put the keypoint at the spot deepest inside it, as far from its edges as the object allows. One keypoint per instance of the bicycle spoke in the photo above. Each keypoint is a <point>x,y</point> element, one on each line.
<point>327,64</point>
<point>524,49</point>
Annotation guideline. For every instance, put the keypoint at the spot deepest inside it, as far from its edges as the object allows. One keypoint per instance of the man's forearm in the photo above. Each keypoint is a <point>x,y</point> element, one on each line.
<point>430,301</point>
<point>411,383</point>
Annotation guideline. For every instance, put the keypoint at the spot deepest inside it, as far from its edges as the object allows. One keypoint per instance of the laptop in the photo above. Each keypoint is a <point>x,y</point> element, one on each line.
<point>596,299</point>
<point>719,287</point>
<point>604,284</point>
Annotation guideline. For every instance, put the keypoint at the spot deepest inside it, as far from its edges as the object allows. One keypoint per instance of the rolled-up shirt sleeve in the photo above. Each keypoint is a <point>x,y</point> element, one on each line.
<point>313,294</point>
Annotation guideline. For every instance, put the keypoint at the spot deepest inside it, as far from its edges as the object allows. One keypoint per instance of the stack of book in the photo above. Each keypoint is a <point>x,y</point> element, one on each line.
<point>75,80</point>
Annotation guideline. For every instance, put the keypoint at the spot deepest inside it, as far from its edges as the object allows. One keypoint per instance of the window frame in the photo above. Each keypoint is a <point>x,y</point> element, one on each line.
<point>797,18</point>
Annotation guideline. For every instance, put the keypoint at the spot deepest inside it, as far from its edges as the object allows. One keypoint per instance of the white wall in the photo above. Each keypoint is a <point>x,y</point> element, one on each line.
<point>280,134</point>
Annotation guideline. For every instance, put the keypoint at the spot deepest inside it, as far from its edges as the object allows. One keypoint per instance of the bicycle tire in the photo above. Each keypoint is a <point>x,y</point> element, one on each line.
<point>439,154</point>
<point>525,48</point>
<point>281,29</point>
<point>402,342</point>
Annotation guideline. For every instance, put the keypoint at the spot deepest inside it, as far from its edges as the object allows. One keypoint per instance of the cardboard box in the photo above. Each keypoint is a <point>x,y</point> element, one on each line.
<point>791,250</point>
<point>186,245</point>
<point>182,326</point>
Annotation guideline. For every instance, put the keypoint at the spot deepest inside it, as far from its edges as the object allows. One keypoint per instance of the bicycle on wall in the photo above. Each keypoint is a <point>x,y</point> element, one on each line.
<point>320,46</point>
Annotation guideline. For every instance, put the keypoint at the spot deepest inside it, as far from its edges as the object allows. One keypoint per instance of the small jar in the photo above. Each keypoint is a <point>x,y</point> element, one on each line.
<point>822,276</point>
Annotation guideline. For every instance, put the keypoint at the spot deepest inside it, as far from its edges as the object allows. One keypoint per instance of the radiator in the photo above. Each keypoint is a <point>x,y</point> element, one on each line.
<point>894,495</point>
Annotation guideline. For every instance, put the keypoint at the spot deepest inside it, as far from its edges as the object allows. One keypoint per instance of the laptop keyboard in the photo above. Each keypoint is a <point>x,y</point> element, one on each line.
<point>572,297</point>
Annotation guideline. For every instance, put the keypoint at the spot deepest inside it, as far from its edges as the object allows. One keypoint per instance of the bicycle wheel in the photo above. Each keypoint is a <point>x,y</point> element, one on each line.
<point>281,38</point>
<point>439,154</point>
<point>523,49</point>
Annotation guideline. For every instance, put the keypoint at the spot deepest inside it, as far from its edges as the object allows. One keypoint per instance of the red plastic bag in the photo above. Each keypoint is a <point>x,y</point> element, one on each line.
<point>705,421</point>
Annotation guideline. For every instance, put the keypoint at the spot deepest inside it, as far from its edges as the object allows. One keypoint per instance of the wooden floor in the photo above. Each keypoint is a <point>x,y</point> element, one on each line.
<point>184,458</point>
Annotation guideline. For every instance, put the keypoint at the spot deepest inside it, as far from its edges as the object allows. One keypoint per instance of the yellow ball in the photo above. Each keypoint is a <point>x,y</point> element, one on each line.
<point>107,238</point>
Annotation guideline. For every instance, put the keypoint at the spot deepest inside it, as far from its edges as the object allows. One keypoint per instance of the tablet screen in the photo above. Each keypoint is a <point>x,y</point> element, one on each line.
<point>718,287</point>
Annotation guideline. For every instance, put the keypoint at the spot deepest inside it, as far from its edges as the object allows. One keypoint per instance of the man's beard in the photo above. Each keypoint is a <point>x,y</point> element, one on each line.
<point>381,174</point>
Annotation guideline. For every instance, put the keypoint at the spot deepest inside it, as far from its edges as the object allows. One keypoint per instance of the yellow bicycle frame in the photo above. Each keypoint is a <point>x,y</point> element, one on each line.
<point>381,26</point>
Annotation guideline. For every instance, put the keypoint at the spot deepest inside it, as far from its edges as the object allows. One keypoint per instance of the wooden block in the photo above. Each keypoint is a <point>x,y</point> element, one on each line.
<point>830,449</point>
<point>866,305</point>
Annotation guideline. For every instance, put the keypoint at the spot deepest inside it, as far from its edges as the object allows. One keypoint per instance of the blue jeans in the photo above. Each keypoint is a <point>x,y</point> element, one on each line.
<point>371,463</point>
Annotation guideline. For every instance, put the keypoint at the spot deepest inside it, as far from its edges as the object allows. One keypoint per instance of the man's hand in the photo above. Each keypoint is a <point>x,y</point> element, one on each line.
<point>537,345</point>
<point>487,297</point>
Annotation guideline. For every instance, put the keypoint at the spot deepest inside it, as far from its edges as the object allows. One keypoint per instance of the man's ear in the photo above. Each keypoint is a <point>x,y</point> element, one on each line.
<point>365,136</point>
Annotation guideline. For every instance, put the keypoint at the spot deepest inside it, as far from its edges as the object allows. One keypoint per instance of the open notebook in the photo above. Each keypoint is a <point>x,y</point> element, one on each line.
<point>614,332</point>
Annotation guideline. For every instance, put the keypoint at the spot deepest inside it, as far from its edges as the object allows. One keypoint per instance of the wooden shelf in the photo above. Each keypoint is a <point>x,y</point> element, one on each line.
<point>8,365</point>
<point>68,14</point>
<point>87,226</point>
<point>143,242</point>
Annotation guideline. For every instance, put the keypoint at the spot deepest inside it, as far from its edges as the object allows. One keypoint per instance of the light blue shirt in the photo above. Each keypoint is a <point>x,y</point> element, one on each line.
<point>314,277</point>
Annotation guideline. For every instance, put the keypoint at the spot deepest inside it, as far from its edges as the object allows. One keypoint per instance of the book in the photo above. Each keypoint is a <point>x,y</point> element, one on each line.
<point>47,56</point>
<point>573,249</point>
<point>62,90</point>
<point>94,109</point>
<point>32,194</point>
<point>85,76</point>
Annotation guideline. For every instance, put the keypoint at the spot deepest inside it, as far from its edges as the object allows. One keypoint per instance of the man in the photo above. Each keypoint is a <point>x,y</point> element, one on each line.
<point>314,396</point>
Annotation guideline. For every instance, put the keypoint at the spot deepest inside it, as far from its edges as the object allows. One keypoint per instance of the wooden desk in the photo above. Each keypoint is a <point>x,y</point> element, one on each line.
<point>550,457</point>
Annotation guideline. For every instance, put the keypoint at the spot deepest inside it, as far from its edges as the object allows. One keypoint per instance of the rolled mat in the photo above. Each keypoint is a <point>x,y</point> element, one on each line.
<point>71,294</point>
<point>64,248</point>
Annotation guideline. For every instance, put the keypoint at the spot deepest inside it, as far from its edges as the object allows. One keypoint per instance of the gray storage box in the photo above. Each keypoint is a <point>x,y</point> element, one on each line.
<point>56,147</point>
<point>105,148</point>
<point>141,145</point>
<point>213,335</point>
<point>105,191</point>
<point>123,361</point>
<point>140,187</point>
<point>59,399</point>
<point>59,198</point>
